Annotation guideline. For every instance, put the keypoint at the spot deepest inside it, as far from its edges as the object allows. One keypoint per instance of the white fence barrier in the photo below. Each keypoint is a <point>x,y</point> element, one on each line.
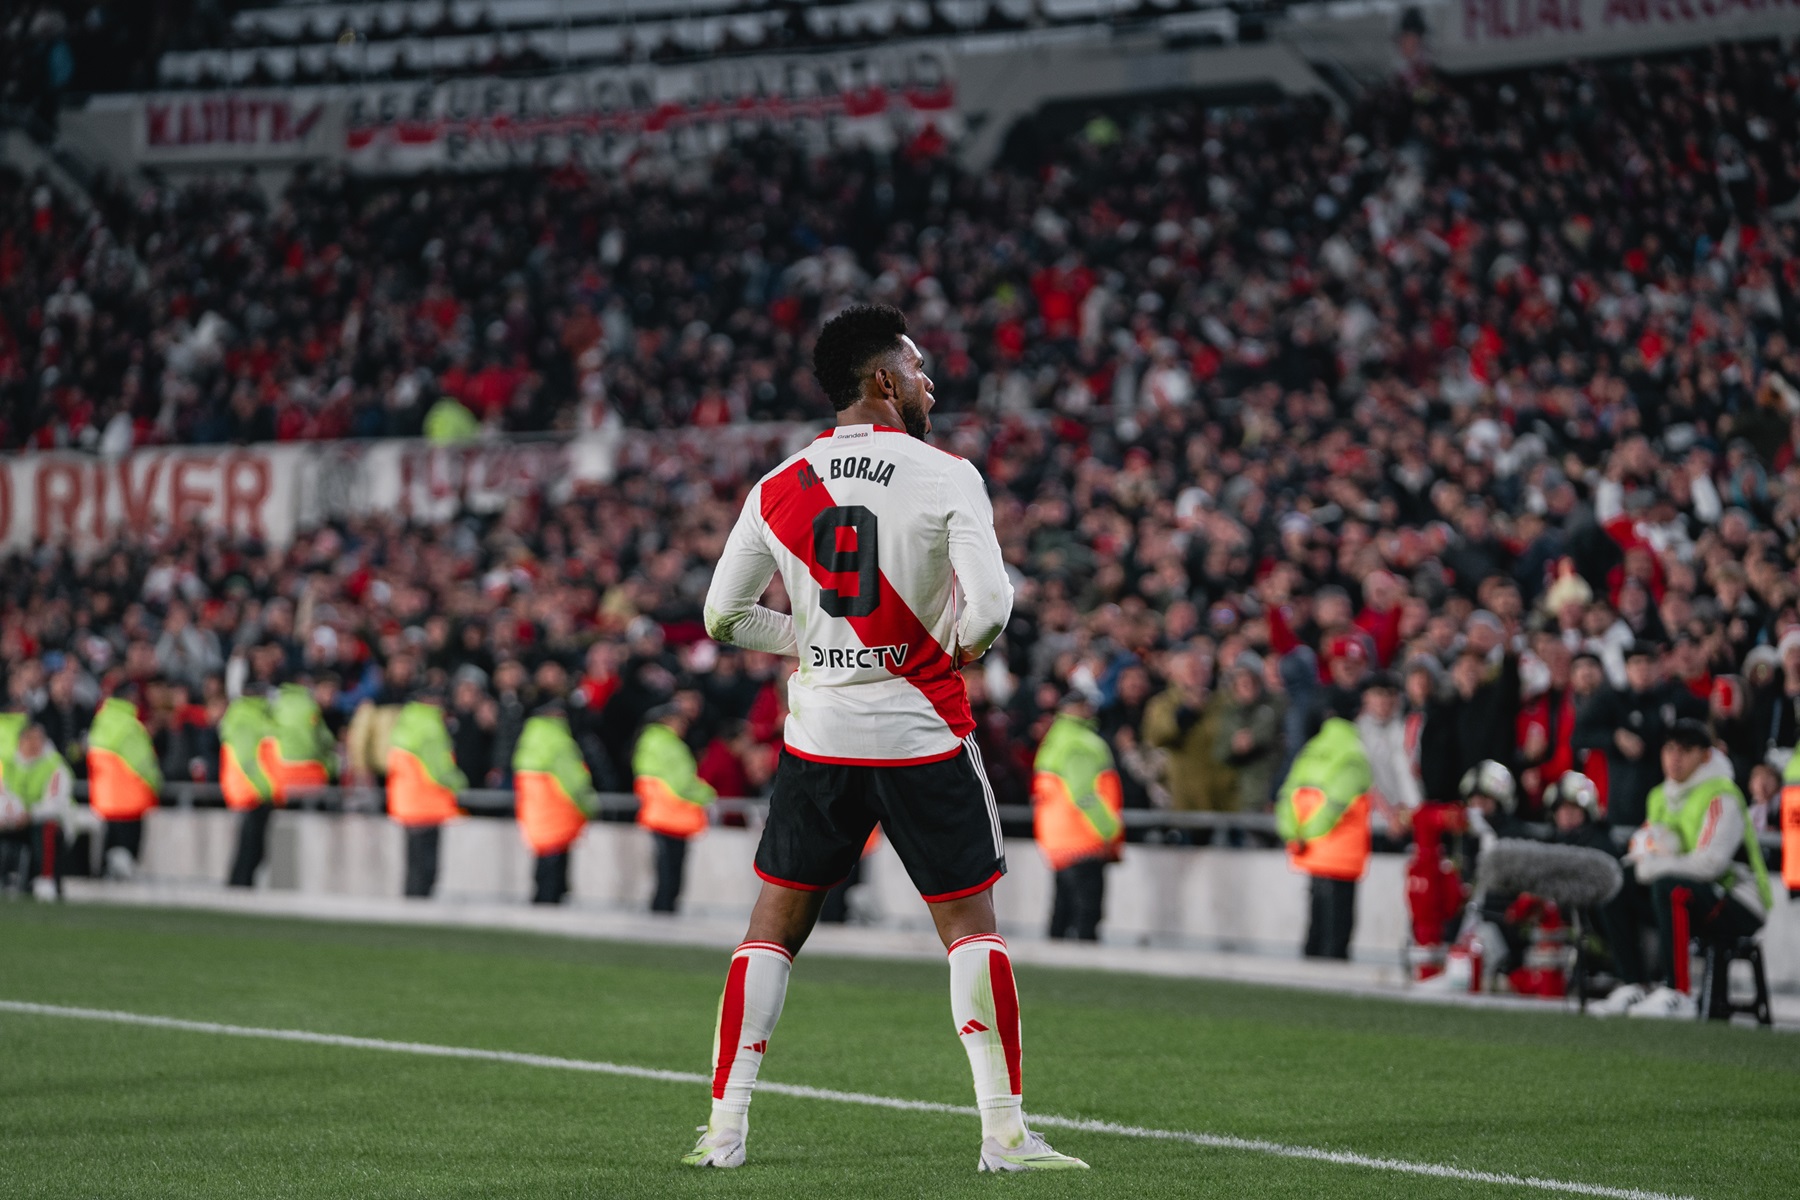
<point>1215,899</point>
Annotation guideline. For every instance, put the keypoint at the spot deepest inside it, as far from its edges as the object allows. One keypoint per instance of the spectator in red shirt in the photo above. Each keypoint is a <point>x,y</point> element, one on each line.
<point>1687,665</point>
<point>1546,720</point>
<point>1060,289</point>
<point>768,712</point>
<point>1381,615</point>
<point>721,764</point>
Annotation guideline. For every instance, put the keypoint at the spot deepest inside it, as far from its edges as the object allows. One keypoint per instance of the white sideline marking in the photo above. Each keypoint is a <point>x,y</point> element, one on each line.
<point>1211,1140</point>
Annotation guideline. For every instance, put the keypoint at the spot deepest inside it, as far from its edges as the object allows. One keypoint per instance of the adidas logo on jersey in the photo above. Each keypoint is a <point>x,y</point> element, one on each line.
<point>971,1026</point>
<point>864,658</point>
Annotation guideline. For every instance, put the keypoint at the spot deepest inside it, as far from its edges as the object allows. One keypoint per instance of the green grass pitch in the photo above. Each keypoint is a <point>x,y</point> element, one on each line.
<point>91,1109</point>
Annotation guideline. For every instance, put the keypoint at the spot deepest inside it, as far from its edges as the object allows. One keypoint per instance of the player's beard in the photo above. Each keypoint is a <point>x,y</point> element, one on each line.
<point>914,418</point>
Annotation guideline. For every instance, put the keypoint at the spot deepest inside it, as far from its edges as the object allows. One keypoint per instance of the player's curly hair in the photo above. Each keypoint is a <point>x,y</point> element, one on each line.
<point>847,345</point>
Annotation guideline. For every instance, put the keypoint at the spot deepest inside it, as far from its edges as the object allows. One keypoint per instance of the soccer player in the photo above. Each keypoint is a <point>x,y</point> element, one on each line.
<point>887,549</point>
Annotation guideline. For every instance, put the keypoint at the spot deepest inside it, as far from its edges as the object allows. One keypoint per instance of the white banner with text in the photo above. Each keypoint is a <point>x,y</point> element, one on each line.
<point>606,118</point>
<point>1481,34</point>
<point>268,493</point>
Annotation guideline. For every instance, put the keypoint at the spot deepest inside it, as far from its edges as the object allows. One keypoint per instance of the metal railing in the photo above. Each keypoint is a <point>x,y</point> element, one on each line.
<point>616,806</point>
<point>622,806</point>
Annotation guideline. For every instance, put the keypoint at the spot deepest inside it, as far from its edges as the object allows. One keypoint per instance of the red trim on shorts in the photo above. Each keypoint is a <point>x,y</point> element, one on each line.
<point>829,760</point>
<point>789,883</point>
<point>1006,1013</point>
<point>976,937</point>
<point>944,897</point>
<point>731,1024</point>
<point>777,947</point>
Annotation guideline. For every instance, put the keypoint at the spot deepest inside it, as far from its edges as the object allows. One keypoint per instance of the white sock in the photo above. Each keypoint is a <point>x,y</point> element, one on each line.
<point>984,1003</point>
<point>755,987</point>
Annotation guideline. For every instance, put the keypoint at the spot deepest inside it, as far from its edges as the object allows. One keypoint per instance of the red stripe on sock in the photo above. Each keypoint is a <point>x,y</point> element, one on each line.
<point>1678,937</point>
<point>1006,1013</point>
<point>731,1024</point>
<point>777,947</point>
<point>977,937</point>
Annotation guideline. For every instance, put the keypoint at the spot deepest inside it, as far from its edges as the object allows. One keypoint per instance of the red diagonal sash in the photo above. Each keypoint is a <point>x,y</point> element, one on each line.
<point>789,509</point>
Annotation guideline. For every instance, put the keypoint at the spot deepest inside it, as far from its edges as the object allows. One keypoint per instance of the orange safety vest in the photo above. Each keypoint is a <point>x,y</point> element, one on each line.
<point>414,798</point>
<point>1341,854</point>
<point>661,810</point>
<point>240,793</point>
<point>1063,832</point>
<point>115,791</point>
<point>302,775</point>
<point>1790,836</point>
<point>549,820</point>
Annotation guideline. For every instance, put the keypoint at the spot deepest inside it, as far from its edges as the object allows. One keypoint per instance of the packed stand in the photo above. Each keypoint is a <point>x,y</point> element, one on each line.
<point>1486,387</point>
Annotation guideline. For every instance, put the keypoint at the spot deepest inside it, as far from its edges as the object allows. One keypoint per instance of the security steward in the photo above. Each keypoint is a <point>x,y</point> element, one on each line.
<point>672,798</point>
<point>37,797</point>
<point>1322,812</point>
<point>1713,884</point>
<point>554,795</point>
<point>248,777</point>
<point>14,825</point>
<point>123,780</point>
<point>1075,805</point>
<point>304,747</point>
<point>422,783</point>
<point>12,724</point>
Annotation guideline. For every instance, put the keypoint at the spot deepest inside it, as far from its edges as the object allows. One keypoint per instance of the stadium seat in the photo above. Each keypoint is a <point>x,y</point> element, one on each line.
<point>1715,981</point>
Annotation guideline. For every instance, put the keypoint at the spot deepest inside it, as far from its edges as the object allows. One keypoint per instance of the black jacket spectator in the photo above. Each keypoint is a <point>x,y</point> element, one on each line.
<point>1476,720</point>
<point>67,726</point>
<point>1634,767</point>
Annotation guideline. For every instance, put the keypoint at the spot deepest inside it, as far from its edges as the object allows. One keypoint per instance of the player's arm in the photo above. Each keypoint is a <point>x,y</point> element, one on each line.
<point>733,615</point>
<point>1720,836</point>
<point>975,557</point>
<point>58,802</point>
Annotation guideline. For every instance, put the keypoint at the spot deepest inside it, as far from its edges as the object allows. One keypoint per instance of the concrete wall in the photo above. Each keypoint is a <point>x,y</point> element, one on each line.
<point>1216,899</point>
<point>995,90</point>
<point>1244,900</point>
<point>997,82</point>
<point>20,152</point>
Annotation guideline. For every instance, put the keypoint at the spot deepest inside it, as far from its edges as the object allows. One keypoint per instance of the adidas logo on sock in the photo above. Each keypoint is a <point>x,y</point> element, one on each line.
<point>761,1047</point>
<point>973,1026</point>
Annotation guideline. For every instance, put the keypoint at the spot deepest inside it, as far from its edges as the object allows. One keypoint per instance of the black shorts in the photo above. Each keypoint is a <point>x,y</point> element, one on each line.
<point>940,817</point>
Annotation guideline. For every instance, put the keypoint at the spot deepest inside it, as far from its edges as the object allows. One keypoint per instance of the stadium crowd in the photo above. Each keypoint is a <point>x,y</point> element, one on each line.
<point>1484,393</point>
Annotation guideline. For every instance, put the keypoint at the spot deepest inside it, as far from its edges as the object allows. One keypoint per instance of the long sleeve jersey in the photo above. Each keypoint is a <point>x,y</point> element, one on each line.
<point>887,548</point>
<point>1708,813</point>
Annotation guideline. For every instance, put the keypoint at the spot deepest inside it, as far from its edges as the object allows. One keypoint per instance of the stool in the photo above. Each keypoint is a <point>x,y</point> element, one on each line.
<point>1715,981</point>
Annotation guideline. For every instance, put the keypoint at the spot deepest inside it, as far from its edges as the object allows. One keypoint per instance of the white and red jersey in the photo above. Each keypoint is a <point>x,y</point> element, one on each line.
<point>887,548</point>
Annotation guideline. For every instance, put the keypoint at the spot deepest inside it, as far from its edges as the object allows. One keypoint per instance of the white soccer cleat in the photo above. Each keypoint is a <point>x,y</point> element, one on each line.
<point>1033,1154</point>
<point>724,1148</point>
<point>120,864</point>
<point>1665,1003</point>
<point>43,889</point>
<point>1619,1001</point>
